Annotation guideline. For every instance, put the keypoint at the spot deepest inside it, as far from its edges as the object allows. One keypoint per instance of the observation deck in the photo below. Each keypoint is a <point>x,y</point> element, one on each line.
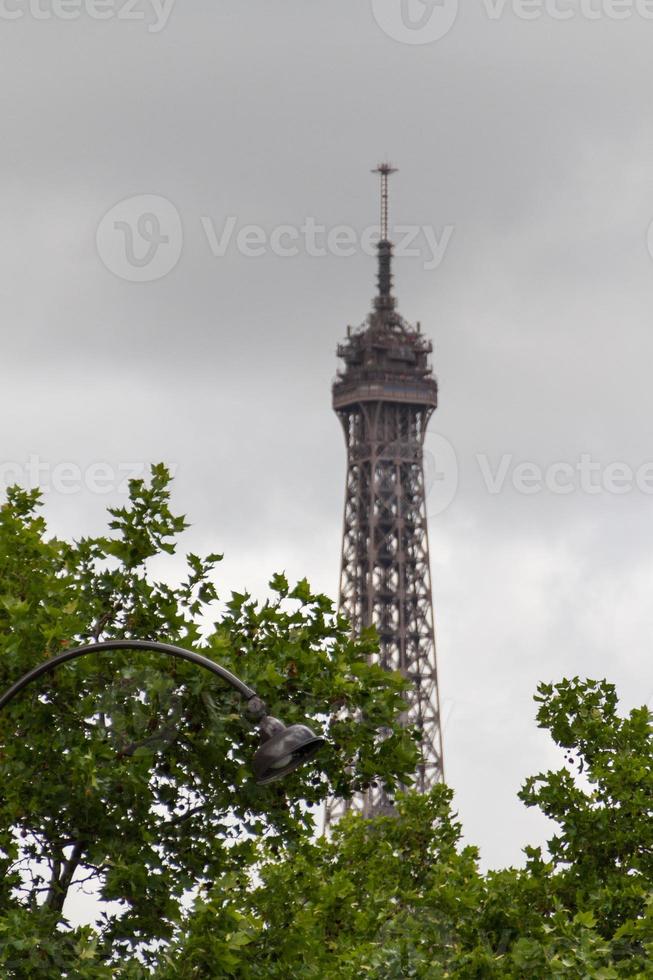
<point>385,360</point>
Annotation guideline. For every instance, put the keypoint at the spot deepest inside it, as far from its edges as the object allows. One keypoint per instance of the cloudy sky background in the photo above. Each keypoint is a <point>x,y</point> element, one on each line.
<point>532,139</point>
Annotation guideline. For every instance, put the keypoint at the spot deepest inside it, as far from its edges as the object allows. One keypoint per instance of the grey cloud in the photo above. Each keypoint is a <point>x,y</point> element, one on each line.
<point>532,139</point>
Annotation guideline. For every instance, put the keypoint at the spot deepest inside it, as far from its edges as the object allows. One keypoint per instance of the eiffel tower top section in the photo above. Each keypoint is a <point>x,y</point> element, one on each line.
<point>386,359</point>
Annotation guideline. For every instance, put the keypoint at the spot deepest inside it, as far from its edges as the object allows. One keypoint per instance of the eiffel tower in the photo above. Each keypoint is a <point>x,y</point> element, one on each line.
<point>384,395</point>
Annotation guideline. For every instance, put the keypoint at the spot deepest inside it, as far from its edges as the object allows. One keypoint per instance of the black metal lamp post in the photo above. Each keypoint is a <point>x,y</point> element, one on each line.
<point>284,748</point>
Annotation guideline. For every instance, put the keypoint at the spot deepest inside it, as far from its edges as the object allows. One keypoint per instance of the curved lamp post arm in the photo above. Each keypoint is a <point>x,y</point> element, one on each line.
<point>173,651</point>
<point>283,749</point>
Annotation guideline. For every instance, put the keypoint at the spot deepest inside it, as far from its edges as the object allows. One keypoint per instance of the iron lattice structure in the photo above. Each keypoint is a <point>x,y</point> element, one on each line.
<point>384,397</point>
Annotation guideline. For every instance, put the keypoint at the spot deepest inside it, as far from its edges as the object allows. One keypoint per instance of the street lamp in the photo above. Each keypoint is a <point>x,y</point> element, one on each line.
<point>284,748</point>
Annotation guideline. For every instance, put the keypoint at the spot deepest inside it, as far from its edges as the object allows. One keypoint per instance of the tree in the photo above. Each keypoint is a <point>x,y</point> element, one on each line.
<point>130,775</point>
<point>398,897</point>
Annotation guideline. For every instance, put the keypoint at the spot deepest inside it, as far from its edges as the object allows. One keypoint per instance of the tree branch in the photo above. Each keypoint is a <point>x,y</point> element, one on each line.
<point>62,876</point>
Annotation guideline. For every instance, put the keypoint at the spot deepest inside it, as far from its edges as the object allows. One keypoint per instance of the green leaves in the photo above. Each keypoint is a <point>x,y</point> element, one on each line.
<point>605,845</point>
<point>131,772</point>
<point>400,897</point>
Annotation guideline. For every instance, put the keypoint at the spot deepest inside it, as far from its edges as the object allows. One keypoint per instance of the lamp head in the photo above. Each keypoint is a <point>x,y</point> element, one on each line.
<point>284,749</point>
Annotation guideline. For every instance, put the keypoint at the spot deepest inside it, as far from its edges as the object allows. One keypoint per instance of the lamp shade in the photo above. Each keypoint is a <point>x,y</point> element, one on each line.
<point>283,750</point>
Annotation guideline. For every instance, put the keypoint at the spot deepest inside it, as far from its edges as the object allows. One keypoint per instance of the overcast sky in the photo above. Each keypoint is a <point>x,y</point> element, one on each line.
<point>146,330</point>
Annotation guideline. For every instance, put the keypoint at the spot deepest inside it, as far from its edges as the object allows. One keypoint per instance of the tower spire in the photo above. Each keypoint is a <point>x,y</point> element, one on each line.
<point>384,170</point>
<point>384,298</point>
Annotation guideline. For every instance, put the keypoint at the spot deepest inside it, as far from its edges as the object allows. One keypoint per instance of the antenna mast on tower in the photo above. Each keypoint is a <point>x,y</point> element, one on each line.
<point>384,170</point>
<point>384,299</point>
